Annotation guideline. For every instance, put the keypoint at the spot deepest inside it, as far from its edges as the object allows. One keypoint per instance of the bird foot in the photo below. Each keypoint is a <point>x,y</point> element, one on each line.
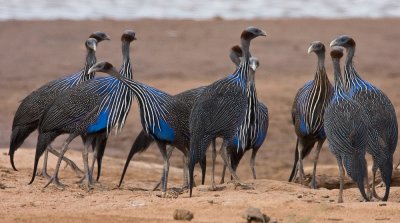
<point>242,186</point>
<point>313,184</point>
<point>44,174</point>
<point>88,184</point>
<point>56,182</point>
<point>169,194</point>
<point>213,187</point>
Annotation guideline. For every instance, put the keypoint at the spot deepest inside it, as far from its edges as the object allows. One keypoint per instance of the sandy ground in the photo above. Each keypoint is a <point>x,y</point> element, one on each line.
<point>176,56</point>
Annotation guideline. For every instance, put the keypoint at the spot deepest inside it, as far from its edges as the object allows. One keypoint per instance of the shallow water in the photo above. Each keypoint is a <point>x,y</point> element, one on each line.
<point>196,9</point>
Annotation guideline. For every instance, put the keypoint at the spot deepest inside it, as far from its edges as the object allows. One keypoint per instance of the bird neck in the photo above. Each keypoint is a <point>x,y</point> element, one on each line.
<point>320,78</point>
<point>126,69</point>
<point>245,44</point>
<point>350,73</point>
<point>338,76</point>
<point>90,61</point>
<point>152,104</point>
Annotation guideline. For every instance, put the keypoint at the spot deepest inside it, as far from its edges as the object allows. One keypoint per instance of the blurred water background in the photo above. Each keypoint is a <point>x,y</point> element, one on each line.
<point>195,9</point>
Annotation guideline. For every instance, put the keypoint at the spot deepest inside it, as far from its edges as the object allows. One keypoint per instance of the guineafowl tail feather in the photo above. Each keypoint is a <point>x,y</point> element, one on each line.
<point>142,142</point>
<point>43,141</point>
<point>203,166</point>
<point>296,159</point>
<point>101,147</point>
<point>198,148</point>
<point>386,170</point>
<point>18,136</point>
<point>356,168</point>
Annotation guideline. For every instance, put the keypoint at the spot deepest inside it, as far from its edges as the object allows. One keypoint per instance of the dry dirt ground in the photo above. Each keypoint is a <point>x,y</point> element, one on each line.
<point>176,56</point>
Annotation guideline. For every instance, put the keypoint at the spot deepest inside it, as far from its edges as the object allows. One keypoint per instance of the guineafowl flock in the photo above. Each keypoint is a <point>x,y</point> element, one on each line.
<point>354,116</point>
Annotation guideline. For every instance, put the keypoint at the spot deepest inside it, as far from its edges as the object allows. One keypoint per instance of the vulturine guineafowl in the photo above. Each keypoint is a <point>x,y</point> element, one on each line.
<point>346,131</point>
<point>189,97</point>
<point>381,114</point>
<point>221,110</point>
<point>258,128</point>
<point>90,109</point>
<point>162,116</point>
<point>122,96</point>
<point>31,109</point>
<point>308,115</point>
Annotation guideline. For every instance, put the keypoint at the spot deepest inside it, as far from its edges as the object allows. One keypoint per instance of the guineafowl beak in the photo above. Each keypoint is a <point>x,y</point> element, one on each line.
<point>94,47</point>
<point>334,43</point>
<point>310,49</point>
<point>92,69</point>
<point>263,33</point>
<point>105,67</point>
<point>253,66</point>
<point>107,37</point>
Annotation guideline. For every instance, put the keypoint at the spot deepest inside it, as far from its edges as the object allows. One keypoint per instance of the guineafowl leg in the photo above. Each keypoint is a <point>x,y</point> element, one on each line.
<point>252,161</point>
<point>44,169</point>
<point>366,183</point>
<point>185,161</point>
<point>341,178</point>
<point>300,164</point>
<point>227,160</point>
<point>88,177</point>
<point>164,179</point>
<point>64,148</point>
<point>313,183</point>
<point>223,175</point>
<point>69,162</point>
<point>169,153</point>
<point>94,158</point>
<point>374,169</point>
<point>214,157</point>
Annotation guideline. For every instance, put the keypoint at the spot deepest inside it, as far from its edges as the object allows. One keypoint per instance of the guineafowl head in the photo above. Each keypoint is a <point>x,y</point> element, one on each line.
<point>254,63</point>
<point>100,36</point>
<point>236,54</point>
<point>337,52</point>
<point>343,41</point>
<point>128,36</point>
<point>91,44</point>
<point>316,47</point>
<point>105,67</point>
<point>252,32</point>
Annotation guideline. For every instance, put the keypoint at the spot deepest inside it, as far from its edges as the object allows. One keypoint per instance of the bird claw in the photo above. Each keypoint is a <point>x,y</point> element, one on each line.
<point>169,194</point>
<point>313,184</point>
<point>242,186</point>
<point>56,182</point>
<point>44,174</point>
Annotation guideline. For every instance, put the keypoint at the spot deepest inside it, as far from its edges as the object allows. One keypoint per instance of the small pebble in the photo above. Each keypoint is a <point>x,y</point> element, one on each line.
<point>382,204</point>
<point>182,214</point>
<point>325,196</point>
<point>255,215</point>
<point>137,204</point>
<point>299,196</point>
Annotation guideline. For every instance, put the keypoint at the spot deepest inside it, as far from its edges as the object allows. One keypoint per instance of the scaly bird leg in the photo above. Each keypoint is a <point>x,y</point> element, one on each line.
<point>69,162</point>
<point>54,179</point>
<point>44,169</point>
<point>341,177</point>
<point>313,183</point>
